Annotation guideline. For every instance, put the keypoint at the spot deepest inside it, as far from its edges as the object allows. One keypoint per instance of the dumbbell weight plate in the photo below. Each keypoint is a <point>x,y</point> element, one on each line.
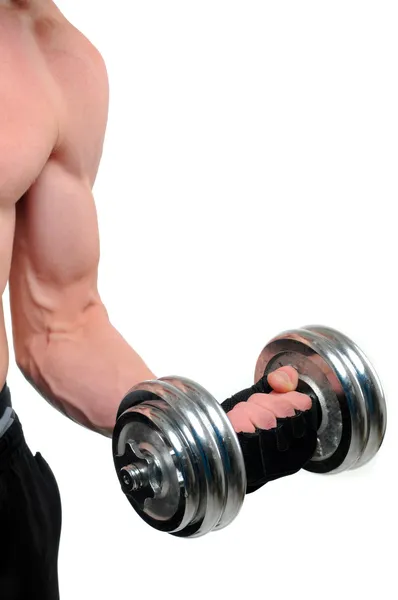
<point>350,395</point>
<point>196,453</point>
<point>231,458</point>
<point>167,491</point>
<point>203,445</point>
<point>371,387</point>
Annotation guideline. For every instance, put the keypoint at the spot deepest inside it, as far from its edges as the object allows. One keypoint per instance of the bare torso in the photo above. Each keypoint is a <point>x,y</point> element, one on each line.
<point>53,113</point>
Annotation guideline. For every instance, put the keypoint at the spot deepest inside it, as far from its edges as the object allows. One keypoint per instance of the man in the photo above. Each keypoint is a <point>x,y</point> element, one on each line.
<point>53,115</point>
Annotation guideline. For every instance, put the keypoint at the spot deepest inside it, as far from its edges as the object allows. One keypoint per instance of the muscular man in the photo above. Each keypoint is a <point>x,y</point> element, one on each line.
<point>53,115</point>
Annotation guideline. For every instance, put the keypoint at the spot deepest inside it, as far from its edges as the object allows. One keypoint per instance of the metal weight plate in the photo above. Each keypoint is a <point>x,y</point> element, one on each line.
<point>204,445</point>
<point>350,395</point>
<point>371,387</point>
<point>170,458</point>
<point>229,457</point>
<point>154,457</point>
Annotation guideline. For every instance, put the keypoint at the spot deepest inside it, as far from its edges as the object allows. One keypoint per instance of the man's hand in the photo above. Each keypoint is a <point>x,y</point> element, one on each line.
<point>262,410</point>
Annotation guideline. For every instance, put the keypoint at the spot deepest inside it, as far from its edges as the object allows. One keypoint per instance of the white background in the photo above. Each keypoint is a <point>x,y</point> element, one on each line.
<point>248,185</point>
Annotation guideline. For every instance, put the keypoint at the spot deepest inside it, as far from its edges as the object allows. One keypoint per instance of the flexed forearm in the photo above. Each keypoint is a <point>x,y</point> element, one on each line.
<point>84,371</point>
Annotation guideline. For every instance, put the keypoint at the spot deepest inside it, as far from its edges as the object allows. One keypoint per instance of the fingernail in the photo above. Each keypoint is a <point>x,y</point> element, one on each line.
<point>282,378</point>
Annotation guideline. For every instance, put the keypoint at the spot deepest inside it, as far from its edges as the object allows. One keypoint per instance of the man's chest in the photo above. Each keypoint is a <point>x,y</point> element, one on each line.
<point>53,99</point>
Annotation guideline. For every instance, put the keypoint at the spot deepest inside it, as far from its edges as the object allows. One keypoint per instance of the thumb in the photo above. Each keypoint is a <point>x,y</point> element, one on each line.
<point>283,380</point>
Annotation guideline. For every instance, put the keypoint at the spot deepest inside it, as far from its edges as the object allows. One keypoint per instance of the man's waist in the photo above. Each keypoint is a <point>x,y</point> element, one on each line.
<point>6,411</point>
<point>5,398</point>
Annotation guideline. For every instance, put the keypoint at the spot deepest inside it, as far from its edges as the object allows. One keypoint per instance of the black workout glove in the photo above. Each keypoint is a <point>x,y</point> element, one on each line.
<point>284,450</point>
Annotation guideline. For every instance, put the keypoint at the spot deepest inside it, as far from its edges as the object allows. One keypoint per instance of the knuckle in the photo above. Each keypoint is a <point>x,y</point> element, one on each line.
<point>265,420</point>
<point>270,423</point>
<point>257,398</point>
<point>305,402</point>
<point>286,408</point>
<point>240,408</point>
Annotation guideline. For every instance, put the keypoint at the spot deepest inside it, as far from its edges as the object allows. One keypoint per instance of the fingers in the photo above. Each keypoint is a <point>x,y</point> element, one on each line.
<point>283,380</point>
<point>276,404</point>
<point>261,411</point>
<point>246,417</point>
<point>240,419</point>
<point>283,405</point>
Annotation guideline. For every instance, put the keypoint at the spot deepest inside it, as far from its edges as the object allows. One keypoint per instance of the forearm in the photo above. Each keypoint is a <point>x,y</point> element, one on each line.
<point>85,371</point>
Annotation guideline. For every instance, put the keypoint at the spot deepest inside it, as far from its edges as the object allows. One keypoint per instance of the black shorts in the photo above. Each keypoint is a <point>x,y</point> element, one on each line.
<point>30,519</point>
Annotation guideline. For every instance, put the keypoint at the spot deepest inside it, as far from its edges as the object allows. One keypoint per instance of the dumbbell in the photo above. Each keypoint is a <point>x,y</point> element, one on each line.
<point>180,463</point>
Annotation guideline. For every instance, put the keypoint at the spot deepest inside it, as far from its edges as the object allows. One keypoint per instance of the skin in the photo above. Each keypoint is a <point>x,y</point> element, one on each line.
<point>51,144</point>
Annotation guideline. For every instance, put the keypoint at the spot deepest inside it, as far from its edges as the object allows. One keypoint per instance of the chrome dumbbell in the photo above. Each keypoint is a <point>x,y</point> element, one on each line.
<point>180,463</point>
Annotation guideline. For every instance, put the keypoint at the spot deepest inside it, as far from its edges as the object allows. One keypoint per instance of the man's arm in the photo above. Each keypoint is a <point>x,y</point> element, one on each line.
<point>64,342</point>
